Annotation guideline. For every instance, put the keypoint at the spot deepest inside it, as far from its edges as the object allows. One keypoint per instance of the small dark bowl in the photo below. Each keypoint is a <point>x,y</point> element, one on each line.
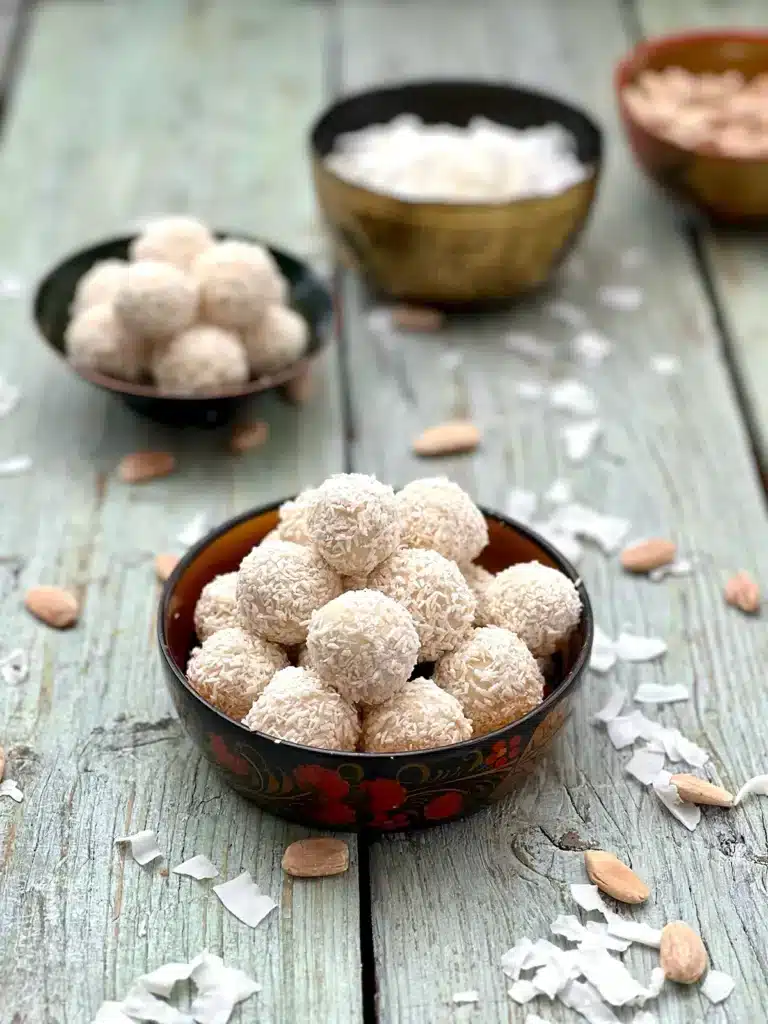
<point>453,254</point>
<point>351,791</point>
<point>731,190</point>
<point>308,295</point>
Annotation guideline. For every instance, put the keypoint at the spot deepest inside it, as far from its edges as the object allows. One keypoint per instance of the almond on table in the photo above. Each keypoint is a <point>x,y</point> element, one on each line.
<point>53,605</point>
<point>682,955</point>
<point>647,555</point>
<point>316,858</point>
<point>164,566</point>
<point>246,436</point>
<point>2,763</point>
<point>613,877</point>
<point>694,790</point>
<point>450,438</point>
<point>300,388</point>
<point>417,318</point>
<point>743,593</point>
<point>139,467</point>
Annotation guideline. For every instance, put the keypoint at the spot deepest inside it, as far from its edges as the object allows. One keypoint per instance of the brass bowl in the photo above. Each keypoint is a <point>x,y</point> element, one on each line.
<point>728,189</point>
<point>453,254</point>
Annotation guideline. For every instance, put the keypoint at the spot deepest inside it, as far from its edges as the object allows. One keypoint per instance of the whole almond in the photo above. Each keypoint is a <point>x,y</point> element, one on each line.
<point>613,877</point>
<point>448,439</point>
<point>648,555</point>
<point>743,593</point>
<point>694,790</point>
<point>246,436</point>
<point>53,605</point>
<point>300,388</point>
<point>138,467</point>
<point>417,318</point>
<point>2,763</point>
<point>316,858</point>
<point>682,955</point>
<point>164,566</point>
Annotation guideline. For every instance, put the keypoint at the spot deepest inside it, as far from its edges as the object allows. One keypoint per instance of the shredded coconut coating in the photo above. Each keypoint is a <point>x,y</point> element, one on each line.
<point>97,340</point>
<point>435,513</point>
<point>156,300</point>
<point>237,284</point>
<point>277,339</point>
<point>279,586</point>
<point>364,645</point>
<point>271,537</point>
<point>296,706</point>
<point>100,284</point>
<point>200,360</point>
<point>419,717</point>
<point>175,240</point>
<point>353,522</point>
<point>293,517</point>
<point>477,579</point>
<point>216,608</point>
<point>540,604</point>
<point>433,590</point>
<point>493,676</point>
<point>232,668</point>
<point>354,582</point>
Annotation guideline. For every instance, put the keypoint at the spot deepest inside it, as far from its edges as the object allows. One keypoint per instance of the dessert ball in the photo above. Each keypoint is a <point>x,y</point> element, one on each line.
<point>175,240</point>
<point>364,645</point>
<point>435,594</point>
<point>237,283</point>
<point>293,518</point>
<point>354,583</point>
<point>353,522</point>
<point>216,608</point>
<point>418,717</point>
<point>279,585</point>
<point>99,285</point>
<point>156,300</point>
<point>493,676</point>
<point>540,604</point>
<point>96,340</point>
<point>232,668</point>
<point>277,339</point>
<point>477,579</point>
<point>298,707</point>
<point>436,513</point>
<point>200,360</point>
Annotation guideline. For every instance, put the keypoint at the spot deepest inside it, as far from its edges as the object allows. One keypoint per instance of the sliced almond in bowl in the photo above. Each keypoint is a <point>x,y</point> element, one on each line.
<point>614,878</point>
<point>694,790</point>
<point>316,858</point>
<point>682,955</point>
<point>647,555</point>
<point>448,438</point>
<point>53,605</point>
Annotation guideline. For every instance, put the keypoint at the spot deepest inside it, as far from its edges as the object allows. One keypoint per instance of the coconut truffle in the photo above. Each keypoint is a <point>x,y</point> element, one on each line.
<point>493,676</point>
<point>200,360</point>
<point>477,579</point>
<point>435,593</point>
<point>364,645</point>
<point>353,522</point>
<point>237,283</point>
<point>156,300</point>
<point>216,608</point>
<point>277,339</point>
<point>293,518</point>
<point>96,340</point>
<point>436,513</point>
<point>175,240</point>
<point>540,604</point>
<point>279,585</point>
<point>354,583</point>
<point>419,717</point>
<point>100,284</point>
<point>232,668</point>
<point>296,706</point>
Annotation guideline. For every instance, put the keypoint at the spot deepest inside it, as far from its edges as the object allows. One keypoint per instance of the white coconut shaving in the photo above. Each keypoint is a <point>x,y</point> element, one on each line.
<point>656,693</point>
<point>645,764</point>
<point>665,365</point>
<point>603,656</point>
<point>634,648</point>
<point>607,531</point>
<point>219,989</point>
<point>613,706</point>
<point>11,286</point>
<point>11,789</point>
<point>635,931</point>
<point>568,546</point>
<point>590,348</point>
<point>14,667</point>
<point>559,492</point>
<point>593,935</point>
<point>566,312</point>
<point>198,867</point>
<point>111,1013</point>
<point>585,1000</point>
<point>523,991</point>
<point>513,960</point>
<point>16,465</point>
<point>624,730</point>
<point>194,530</point>
<point>758,786</point>
<point>534,1018</point>
<point>521,504</point>
<point>529,390</point>
<point>144,848</point>
<point>588,898</point>
<point>140,1004</point>
<point>462,998</point>
<point>9,397</point>
<point>528,346</point>
<point>580,439</point>
<point>687,814</point>
<point>624,298</point>
<point>717,986</point>
<point>243,898</point>
<point>161,981</point>
<point>680,567</point>
<point>571,396</point>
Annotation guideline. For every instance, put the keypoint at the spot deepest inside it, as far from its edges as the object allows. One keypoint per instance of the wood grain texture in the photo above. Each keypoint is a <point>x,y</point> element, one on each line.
<point>448,903</point>
<point>126,109</point>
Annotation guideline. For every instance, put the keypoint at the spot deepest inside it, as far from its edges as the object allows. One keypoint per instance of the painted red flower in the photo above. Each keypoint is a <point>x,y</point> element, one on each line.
<point>384,794</point>
<point>503,752</point>
<point>333,813</point>
<point>444,806</point>
<point>330,784</point>
<point>225,757</point>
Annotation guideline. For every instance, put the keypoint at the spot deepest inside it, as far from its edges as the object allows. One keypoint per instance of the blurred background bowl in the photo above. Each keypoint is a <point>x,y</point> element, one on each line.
<point>453,254</point>
<point>350,791</point>
<point>308,296</point>
<point>728,189</point>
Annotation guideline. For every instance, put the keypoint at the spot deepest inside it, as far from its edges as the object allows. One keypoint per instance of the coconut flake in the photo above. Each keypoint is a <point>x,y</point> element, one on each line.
<point>677,747</point>
<point>607,531</point>
<point>11,286</point>
<point>598,936</point>
<point>521,504</point>
<point>634,931</point>
<point>529,346</point>
<point>590,348</point>
<point>529,390</point>
<point>645,764</point>
<point>625,298</point>
<point>198,867</point>
<point>588,898</point>
<point>665,365</point>
<point>462,998</point>
<point>559,492</point>
<point>645,1017</point>
<point>612,708</point>
<point>513,960</point>
<point>534,1018</point>
<point>11,789</point>
<point>142,1005</point>
<point>624,730</point>
<point>15,465</point>
<point>580,439</point>
<point>717,986</point>
<point>655,693</point>
<point>144,848</point>
<point>585,999</point>
<point>523,991</point>
<point>680,567</point>
<point>14,667</point>
<point>757,786</point>
<point>568,546</point>
<point>9,397</point>
<point>602,658</point>
<point>111,1013</point>
<point>243,898</point>
<point>194,530</point>
<point>609,976</point>
<point>686,813</point>
<point>634,648</point>
<point>566,312</point>
<point>552,978</point>
<point>160,982</point>
<point>573,397</point>
<point>219,989</point>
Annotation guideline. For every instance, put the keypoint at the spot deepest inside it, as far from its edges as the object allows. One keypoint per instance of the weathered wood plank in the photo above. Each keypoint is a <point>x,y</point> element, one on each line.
<point>12,15</point>
<point>448,903</point>
<point>126,109</point>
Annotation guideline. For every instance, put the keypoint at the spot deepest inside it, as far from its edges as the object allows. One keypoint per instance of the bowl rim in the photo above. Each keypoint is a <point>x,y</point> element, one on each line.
<point>136,390</point>
<point>343,756</point>
<point>318,159</point>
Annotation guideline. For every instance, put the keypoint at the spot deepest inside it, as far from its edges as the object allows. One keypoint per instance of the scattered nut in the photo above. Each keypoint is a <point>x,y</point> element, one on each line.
<point>300,388</point>
<point>163,872</point>
<point>417,318</point>
<point>694,790</point>
<point>316,858</point>
<point>138,467</point>
<point>682,955</point>
<point>448,439</point>
<point>614,877</point>
<point>2,763</point>
<point>648,555</point>
<point>743,593</point>
<point>246,436</point>
<point>164,566</point>
<point>53,605</point>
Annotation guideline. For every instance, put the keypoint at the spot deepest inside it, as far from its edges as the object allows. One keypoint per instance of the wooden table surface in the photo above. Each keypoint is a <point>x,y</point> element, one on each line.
<point>119,109</point>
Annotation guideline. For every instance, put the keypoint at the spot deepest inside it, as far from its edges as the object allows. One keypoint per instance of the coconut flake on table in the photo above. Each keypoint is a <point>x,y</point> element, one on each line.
<point>580,439</point>
<point>602,658</point>
<point>529,390</point>
<point>566,312</point>
<point>244,899</point>
<point>624,298</point>
<point>634,648</point>
<point>594,935</point>
<point>686,813</point>
<point>565,542</point>
<point>612,708</point>
<point>717,986</point>
<point>14,667</point>
<point>15,465</point>
<point>656,693</point>
<point>611,978</point>
<point>11,286</point>
<point>521,504</point>
<point>462,998</point>
<point>198,867</point>
<point>680,567</point>
<point>513,960</point>
<point>9,397</point>
<point>559,492</point>
<point>607,531</point>
<point>11,789</point>
<point>665,365</point>
<point>645,764</point>
<point>588,898</point>
<point>523,991</point>
<point>144,848</point>
<point>111,1013</point>
<point>573,397</point>
<point>140,1004</point>
<point>586,1000</point>
<point>758,786</point>
<point>590,348</point>
<point>194,530</point>
<point>219,989</point>
<point>529,346</point>
<point>534,1018</point>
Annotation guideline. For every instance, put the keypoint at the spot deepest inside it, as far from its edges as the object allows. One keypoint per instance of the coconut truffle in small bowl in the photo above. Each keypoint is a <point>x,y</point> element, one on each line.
<point>100,284</point>
<point>435,513</point>
<point>478,580</point>
<point>156,300</point>
<point>417,717</point>
<point>175,240</point>
<point>277,339</point>
<point>293,518</point>
<point>96,339</point>
<point>201,360</point>
<point>232,668</point>
<point>216,607</point>
<point>237,283</point>
<point>353,522</point>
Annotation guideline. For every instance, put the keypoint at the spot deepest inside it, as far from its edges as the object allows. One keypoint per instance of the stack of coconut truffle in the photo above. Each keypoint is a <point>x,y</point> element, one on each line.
<point>316,636</point>
<point>191,314</point>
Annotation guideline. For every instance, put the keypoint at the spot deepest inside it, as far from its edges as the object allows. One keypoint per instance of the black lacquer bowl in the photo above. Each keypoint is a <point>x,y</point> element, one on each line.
<point>351,791</point>
<point>308,296</point>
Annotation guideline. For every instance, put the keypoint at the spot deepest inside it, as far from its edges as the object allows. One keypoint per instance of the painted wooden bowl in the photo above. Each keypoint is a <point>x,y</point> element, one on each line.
<point>308,295</point>
<point>727,189</point>
<point>352,791</point>
<point>453,254</point>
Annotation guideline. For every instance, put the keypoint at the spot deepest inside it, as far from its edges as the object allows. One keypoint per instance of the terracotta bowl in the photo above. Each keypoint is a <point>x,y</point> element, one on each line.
<point>352,791</point>
<point>728,189</point>
<point>453,254</point>
<point>308,295</point>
